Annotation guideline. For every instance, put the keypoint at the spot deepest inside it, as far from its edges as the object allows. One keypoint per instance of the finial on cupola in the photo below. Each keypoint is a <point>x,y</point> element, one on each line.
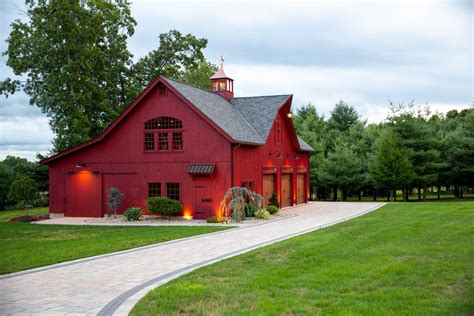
<point>221,83</point>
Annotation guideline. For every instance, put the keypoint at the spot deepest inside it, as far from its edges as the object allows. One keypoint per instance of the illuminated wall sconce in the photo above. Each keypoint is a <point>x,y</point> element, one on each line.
<point>290,115</point>
<point>80,165</point>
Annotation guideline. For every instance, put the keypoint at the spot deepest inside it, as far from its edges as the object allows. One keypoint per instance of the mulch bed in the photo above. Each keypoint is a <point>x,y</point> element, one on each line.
<point>30,218</point>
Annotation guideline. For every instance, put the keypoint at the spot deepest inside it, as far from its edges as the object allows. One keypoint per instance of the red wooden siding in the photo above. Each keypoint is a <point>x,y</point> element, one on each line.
<point>122,161</point>
<point>252,162</point>
<point>119,159</point>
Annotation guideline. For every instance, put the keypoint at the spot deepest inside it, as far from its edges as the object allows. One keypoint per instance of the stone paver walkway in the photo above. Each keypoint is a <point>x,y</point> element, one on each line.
<point>113,283</point>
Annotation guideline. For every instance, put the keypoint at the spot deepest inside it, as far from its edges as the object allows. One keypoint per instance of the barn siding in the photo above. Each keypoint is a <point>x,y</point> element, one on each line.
<point>123,163</point>
<point>250,160</point>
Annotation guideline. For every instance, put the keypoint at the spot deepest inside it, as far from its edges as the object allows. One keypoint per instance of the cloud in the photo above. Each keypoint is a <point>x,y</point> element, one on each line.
<point>364,52</point>
<point>24,136</point>
<point>368,89</point>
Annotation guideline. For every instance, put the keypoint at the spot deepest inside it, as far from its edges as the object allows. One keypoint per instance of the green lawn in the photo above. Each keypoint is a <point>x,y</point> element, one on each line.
<point>403,259</point>
<point>27,245</point>
<point>431,196</point>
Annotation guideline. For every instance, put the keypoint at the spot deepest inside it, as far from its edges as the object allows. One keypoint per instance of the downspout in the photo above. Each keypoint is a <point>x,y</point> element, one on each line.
<point>234,147</point>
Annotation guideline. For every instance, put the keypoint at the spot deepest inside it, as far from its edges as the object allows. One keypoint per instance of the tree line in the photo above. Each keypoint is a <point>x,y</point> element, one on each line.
<point>23,182</point>
<point>412,151</point>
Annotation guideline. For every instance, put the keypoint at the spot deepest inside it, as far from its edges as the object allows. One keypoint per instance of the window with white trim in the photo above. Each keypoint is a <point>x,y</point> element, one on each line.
<point>163,133</point>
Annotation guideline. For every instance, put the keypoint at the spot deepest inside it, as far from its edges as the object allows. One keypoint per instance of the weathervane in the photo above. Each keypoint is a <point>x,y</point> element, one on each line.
<point>222,61</point>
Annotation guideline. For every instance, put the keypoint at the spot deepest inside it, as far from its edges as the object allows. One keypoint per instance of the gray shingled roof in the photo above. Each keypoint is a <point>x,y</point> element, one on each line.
<point>304,145</point>
<point>220,111</point>
<point>245,120</point>
<point>260,112</point>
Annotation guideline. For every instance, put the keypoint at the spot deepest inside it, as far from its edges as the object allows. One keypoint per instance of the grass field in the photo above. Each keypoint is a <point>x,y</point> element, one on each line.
<point>27,245</point>
<point>403,259</point>
<point>431,196</point>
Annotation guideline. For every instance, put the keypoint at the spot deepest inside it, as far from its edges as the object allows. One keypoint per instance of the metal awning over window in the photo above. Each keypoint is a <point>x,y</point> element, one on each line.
<point>201,168</point>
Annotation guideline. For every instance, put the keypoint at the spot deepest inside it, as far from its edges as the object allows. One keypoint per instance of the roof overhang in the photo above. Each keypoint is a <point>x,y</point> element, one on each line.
<point>201,169</point>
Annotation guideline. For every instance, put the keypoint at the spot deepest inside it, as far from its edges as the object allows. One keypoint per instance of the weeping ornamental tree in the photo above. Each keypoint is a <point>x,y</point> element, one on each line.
<point>234,201</point>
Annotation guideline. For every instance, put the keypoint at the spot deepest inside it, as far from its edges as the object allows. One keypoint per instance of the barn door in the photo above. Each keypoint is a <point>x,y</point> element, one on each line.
<point>268,187</point>
<point>286,193</point>
<point>300,188</point>
<point>202,197</point>
<point>83,195</point>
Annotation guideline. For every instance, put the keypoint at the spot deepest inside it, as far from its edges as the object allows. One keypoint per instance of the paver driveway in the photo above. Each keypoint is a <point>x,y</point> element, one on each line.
<point>112,284</point>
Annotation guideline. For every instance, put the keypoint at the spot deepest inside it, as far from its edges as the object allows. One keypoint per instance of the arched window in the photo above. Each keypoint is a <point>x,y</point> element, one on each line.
<point>163,133</point>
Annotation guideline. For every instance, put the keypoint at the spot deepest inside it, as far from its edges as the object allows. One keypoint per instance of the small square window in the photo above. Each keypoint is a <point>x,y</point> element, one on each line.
<point>154,189</point>
<point>149,141</point>
<point>163,141</point>
<point>172,191</point>
<point>178,141</point>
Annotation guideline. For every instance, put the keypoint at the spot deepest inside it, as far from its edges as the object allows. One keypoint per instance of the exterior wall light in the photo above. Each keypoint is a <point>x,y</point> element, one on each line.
<point>289,115</point>
<point>187,215</point>
<point>80,165</point>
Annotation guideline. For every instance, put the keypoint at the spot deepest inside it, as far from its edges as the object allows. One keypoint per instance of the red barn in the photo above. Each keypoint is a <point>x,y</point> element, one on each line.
<point>188,144</point>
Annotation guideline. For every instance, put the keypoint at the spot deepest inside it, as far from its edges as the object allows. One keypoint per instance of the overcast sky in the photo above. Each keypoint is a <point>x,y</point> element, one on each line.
<point>364,53</point>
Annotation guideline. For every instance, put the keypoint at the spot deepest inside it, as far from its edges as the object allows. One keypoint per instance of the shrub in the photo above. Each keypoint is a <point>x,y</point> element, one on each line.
<point>249,210</point>
<point>114,200</point>
<point>263,214</point>
<point>163,205</point>
<point>132,214</point>
<point>215,219</point>
<point>274,200</point>
<point>23,190</point>
<point>272,209</point>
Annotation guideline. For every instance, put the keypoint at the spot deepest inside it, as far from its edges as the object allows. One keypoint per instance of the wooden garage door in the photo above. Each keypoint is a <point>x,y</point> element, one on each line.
<point>268,186</point>
<point>83,195</point>
<point>300,189</point>
<point>286,192</point>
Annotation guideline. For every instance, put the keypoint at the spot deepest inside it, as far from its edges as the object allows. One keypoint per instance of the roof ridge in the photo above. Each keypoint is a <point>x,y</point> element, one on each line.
<point>224,99</point>
<point>264,96</point>
<point>190,85</point>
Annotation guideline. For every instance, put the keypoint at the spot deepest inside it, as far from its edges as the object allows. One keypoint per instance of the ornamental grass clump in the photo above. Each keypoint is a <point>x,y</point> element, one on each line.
<point>163,205</point>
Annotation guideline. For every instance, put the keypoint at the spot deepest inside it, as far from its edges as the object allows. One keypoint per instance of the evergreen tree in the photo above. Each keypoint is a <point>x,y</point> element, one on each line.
<point>342,169</point>
<point>390,166</point>
<point>343,116</point>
